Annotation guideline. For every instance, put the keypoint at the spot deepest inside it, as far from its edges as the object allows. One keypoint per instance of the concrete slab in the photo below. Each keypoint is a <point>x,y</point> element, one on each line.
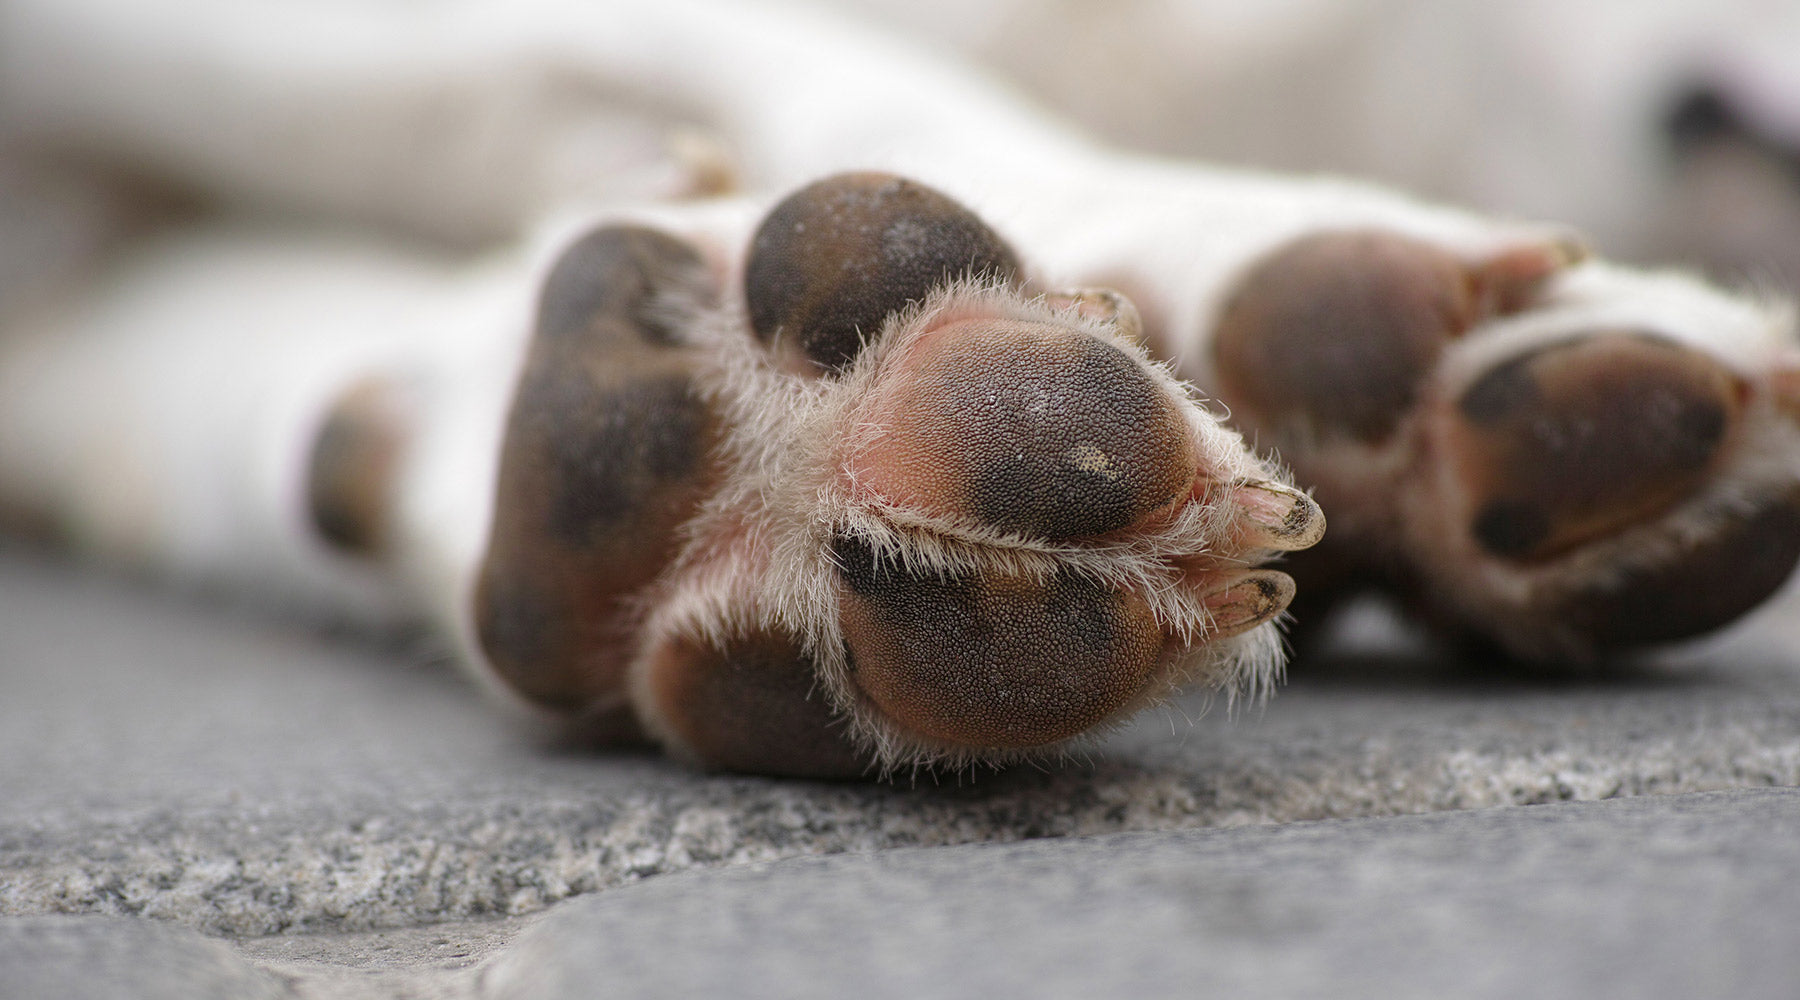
<point>103,958</point>
<point>1648,898</point>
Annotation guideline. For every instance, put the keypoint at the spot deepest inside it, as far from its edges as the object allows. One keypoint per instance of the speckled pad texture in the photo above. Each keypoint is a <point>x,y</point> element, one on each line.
<point>309,798</point>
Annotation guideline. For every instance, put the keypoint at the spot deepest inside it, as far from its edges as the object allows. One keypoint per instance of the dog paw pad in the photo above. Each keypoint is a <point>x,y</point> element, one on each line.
<point>1031,428</point>
<point>351,470</point>
<point>992,661</point>
<point>749,703</point>
<point>832,261</point>
<point>1711,583</point>
<point>1577,440</point>
<point>1335,332</point>
<point>607,452</point>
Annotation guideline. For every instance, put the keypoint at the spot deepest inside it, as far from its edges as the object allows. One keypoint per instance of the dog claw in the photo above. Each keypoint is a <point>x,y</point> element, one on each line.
<point>1248,601</point>
<point>1280,517</point>
<point>1104,306</point>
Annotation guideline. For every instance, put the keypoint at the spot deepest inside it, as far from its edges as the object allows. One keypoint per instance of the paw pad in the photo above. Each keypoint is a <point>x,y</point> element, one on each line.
<point>350,473</point>
<point>750,703</point>
<point>833,260</point>
<point>1027,427</point>
<point>1712,583</point>
<point>607,451</point>
<point>1337,331</point>
<point>991,661</point>
<point>1574,441</point>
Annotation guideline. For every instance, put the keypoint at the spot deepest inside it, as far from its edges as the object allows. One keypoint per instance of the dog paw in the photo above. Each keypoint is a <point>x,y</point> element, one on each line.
<point>1571,459</point>
<point>883,505</point>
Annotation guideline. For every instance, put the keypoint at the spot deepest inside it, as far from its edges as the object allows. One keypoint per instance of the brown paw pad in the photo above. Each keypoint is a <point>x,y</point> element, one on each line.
<point>607,451</point>
<point>1028,427</point>
<point>1785,385</point>
<point>991,662</point>
<point>1331,336</point>
<point>1574,441</point>
<point>751,704</point>
<point>351,471</point>
<point>1712,584</point>
<point>1337,331</point>
<point>834,259</point>
<point>617,283</point>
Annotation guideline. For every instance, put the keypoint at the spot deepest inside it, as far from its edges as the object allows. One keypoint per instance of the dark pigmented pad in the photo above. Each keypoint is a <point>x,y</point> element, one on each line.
<point>1713,584</point>
<point>352,466</point>
<point>1099,452</point>
<point>1338,330</point>
<point>627,441</point>
<point>752,705</point>
<point>832,260</point>
<point>1576,440</point>
<point>607,452</point>
<point>521,622</point>
<point>996,661</point>
<point>614,282</point>
<point>1030,427</point>
<point>1511,528</point>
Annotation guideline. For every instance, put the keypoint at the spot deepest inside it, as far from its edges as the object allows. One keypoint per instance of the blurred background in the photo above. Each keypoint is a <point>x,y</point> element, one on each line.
<point>1667,130</point>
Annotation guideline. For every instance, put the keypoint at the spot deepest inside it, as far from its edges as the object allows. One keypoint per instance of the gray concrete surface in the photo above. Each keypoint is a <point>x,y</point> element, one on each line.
<point>244,778</point>
<point>1688,896</point>
<point>78,958</point>
<point>1651,898</point>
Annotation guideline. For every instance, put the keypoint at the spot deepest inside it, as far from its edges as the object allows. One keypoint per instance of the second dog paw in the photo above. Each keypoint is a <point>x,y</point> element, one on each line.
<point>1569,458</point>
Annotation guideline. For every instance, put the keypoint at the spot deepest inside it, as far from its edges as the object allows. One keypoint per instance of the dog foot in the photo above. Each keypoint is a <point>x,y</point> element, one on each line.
<point>1570,459</point>
<point>894,508</point>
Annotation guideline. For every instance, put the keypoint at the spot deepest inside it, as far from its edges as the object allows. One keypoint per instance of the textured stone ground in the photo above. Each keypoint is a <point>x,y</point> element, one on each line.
<point>1654,897</point>
<point>357,821</point>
